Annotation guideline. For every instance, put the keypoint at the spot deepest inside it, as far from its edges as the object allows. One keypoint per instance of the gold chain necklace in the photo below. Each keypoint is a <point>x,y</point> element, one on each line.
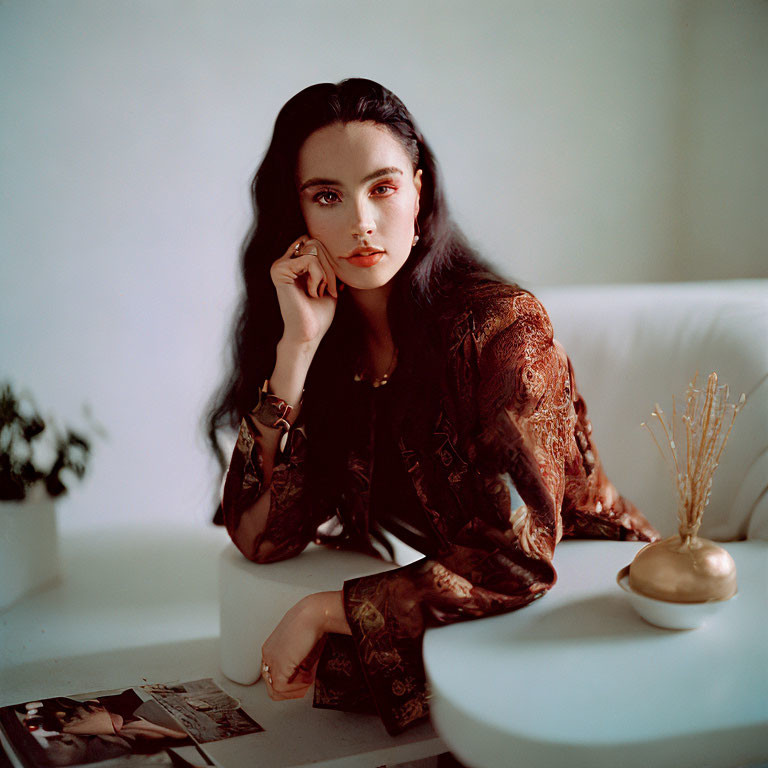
<point>379,381</point>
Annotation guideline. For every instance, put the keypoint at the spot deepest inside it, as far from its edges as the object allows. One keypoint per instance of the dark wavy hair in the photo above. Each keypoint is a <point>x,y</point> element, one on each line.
<point>441,264</point>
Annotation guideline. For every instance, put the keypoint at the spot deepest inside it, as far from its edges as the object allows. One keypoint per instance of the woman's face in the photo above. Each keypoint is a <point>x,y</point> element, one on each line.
<point>357,190</point>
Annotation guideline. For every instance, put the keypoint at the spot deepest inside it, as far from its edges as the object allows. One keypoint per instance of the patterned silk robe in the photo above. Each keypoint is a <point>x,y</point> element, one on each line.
<point>508,415</point>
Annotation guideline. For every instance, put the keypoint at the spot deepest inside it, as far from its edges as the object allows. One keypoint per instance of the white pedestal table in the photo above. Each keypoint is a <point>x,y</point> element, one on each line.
<point>579,679</point>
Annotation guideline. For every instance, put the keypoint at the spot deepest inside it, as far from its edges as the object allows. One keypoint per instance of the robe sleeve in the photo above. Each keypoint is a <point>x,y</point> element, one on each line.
<point>293,520</point>
<point>491,564</point>
<point>592,507</point>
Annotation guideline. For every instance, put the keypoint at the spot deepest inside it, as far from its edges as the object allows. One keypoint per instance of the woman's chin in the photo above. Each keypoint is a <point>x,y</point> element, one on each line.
<point>367,285</point>
<point>368,278</point>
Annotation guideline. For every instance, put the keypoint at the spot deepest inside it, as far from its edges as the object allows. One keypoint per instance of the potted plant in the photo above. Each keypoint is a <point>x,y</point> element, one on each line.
<point>35,459</point>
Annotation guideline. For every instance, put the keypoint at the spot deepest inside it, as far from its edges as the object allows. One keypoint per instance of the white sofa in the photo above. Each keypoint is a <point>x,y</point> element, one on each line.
<point>631,346</point>
<point>636,345</point>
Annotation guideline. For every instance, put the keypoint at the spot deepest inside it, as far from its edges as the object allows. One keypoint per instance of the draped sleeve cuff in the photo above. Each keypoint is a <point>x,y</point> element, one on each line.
<point>388,648</point>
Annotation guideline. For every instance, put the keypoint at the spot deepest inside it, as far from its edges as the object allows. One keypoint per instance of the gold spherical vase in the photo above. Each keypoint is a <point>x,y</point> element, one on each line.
<point>684,570</point>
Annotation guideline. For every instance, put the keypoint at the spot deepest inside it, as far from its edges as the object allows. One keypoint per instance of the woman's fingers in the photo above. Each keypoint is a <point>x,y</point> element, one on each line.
<point>308,245</point>
<point>284,696</point>
<point>287,690</point>
<point>294,246</point>
<point>301,253</point>
<point>291,653</point>
<point>316,276</point>
<point>296,685</point>
<point>305,672</point>
<point>278,688</point>
<point>325,258</point>
<point>290,270</point>
<point>316,248</point>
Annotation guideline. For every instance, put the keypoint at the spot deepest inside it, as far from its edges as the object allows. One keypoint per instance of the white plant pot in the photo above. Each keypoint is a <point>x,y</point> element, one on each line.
<point>29,548</point>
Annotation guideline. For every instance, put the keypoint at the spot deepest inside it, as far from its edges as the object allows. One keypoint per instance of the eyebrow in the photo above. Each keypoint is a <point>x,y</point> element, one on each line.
<point>317,182</point>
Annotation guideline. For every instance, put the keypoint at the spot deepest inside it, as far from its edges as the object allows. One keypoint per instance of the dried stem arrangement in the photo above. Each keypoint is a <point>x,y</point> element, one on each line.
<point>705,425</point>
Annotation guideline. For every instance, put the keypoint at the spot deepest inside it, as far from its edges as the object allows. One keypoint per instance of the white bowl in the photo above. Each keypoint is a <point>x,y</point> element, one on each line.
<point>662,613</point>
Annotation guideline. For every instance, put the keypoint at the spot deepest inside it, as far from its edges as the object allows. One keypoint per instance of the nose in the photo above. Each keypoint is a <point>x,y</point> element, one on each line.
<point>364,225</point>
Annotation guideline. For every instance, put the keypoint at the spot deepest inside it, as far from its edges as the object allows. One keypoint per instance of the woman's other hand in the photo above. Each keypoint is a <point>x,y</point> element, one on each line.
<point>306,290</point>
<point>291,653</point>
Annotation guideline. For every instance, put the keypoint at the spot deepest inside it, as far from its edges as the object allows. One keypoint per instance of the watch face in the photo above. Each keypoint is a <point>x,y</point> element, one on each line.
<point>269,412</point>
<point>278,406</point>
<point>272,411</point>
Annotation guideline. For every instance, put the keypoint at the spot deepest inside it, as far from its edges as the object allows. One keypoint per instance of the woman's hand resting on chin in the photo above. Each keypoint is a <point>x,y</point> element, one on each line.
<point>291,653</point>
<point>307,290</point>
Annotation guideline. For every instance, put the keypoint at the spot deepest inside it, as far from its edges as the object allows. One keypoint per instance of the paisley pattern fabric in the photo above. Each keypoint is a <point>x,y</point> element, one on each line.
<point>508,416</point>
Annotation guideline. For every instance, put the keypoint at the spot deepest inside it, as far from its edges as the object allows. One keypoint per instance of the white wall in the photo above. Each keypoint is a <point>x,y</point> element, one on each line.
<point>723,140</point>
<point>580,142</point>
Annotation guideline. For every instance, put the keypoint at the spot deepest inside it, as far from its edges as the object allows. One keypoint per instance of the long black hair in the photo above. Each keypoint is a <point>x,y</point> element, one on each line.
<point>441,264</point>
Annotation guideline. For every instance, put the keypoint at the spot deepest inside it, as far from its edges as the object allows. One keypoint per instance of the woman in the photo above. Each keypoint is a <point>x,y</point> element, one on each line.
<point>407,388</point>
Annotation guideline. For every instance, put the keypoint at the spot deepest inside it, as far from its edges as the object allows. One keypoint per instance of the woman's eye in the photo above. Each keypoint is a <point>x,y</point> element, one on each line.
<point>326,197</point>
<point>383,189</point>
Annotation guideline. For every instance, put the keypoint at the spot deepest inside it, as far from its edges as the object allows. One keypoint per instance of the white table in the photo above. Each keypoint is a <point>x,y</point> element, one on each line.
<point>578,679</point>
<point>141,604</point>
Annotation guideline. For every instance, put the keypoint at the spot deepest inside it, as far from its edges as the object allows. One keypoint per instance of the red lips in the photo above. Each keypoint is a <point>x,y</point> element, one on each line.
<point>369,251</point>
<point>365,257</point>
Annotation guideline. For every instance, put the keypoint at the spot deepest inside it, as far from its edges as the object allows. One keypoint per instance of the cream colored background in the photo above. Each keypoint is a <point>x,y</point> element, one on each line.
<point>581,142</point>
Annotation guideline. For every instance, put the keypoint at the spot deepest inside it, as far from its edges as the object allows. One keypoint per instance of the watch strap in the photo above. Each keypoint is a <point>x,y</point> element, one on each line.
<point>271,410</point>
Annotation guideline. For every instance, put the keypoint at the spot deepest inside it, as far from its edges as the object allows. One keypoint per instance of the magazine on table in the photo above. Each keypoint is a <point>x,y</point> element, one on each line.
<point>166,724</point>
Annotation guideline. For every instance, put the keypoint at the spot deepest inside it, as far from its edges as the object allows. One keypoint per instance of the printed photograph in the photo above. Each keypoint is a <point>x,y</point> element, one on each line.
<point>207,712</point>
<point>111,729</point>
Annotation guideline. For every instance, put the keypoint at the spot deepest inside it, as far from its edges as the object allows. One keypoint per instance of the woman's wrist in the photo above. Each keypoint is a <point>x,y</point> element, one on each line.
<point>301,352</point>
<point>292,363</point>
<point>329,612</point>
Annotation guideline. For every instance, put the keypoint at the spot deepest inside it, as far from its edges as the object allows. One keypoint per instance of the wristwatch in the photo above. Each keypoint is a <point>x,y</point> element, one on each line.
<point>271,410</point>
